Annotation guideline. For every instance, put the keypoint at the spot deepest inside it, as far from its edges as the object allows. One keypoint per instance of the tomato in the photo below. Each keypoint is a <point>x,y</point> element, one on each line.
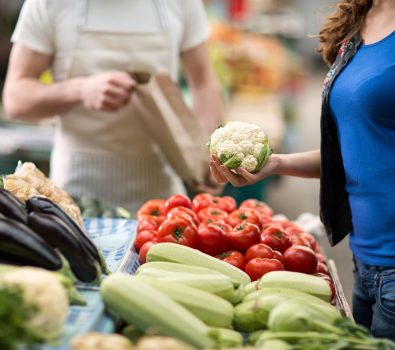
<point>299,258</point>
<point>201,201</point>
<point>183,211</point>
<point>144,251</point>
<point>243,236</point>
<point>277,255</point>
<point>321,258</point>
<point>178,230</point>
<point>322,268</point>
<point>211,220</point>
<point>240,216</point>
<point>177,200</point>
<point>145,236</point>
<point>233,258</point>
<point>213,213</point>
<point>262,207</point>
<point>153,207</point>
<point>276,238</point>
<point>227,203</point>
<point>312,241</point>
<point>259,251</point>
<point>258,267</point>
<point>227,228</point>
<point>212,240</point>
<point>293,230</point>
<point>147,224</point>
<point>328,279</point>
<point>298,240</point>
<point>157,219</point>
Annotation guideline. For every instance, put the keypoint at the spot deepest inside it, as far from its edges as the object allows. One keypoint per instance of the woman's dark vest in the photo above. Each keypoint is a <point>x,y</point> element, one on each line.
<point>335,209</point>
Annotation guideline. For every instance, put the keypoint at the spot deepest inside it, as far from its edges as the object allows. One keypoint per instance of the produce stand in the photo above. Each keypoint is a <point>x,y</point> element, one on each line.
<point>116,237</point>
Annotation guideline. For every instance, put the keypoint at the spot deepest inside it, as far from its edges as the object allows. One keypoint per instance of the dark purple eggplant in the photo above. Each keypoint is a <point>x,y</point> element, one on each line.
<point>45,205</point>
<point>12,207</point>
<point>20,244</point>
<point>55,232</point>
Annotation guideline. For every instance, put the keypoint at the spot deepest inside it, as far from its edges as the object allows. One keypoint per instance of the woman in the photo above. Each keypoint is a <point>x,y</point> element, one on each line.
<point>356,160</point>
<point>101,148</point>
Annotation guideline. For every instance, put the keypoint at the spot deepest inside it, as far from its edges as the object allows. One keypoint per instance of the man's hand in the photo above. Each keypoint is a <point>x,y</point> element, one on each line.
<point>107,92</point>
<point>209,186</point>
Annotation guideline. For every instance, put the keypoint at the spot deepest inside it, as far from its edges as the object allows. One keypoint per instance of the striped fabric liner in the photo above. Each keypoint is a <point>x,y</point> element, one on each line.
<point>115,238</point>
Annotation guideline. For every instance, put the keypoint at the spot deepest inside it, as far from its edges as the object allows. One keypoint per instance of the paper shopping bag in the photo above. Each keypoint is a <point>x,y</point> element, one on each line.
<point>171,124</point>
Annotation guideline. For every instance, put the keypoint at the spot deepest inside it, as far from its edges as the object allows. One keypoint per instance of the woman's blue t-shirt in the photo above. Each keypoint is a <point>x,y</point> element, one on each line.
<point>362,103</point>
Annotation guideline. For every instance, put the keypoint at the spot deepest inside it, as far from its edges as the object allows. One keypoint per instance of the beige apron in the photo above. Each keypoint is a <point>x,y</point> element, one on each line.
<point>110,156</point>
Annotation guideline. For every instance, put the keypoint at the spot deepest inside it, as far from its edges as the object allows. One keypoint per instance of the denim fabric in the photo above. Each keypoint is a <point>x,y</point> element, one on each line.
<point>374,299</point>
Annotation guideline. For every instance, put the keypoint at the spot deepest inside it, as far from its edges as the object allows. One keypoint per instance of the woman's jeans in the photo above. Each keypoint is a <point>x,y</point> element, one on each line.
<point>374,299</point>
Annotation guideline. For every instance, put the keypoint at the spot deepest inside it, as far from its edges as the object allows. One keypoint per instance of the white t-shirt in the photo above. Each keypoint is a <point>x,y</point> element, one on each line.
<point>50,26</point>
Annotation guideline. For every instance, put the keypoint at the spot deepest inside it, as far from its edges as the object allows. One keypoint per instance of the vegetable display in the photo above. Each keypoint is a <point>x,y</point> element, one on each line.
<point>248,237</point>
<point>178,293</point>
<point>240,144</point>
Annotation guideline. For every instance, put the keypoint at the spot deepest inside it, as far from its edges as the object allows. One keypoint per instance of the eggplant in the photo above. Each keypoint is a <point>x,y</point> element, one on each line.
<point>56,233</point>
<point>45,205</point>
<point>12,207</point>
<point>18,243</point>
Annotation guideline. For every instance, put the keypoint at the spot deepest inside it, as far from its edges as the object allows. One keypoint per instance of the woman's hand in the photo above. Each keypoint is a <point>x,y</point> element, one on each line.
<point>240,177</point>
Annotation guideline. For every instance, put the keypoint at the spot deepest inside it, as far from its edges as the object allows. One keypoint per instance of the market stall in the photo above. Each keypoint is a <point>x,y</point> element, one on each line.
<point>200,271</point>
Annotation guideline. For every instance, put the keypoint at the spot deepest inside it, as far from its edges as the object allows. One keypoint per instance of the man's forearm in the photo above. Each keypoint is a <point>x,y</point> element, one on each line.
<point>208,106</point>
<point>29,99</point>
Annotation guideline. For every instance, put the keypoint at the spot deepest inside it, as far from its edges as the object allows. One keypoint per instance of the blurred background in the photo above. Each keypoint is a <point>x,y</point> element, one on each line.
<point>271,75</point>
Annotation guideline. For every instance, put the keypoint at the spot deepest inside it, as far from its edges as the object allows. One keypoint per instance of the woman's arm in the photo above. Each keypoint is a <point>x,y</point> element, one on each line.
<point>305,164</point>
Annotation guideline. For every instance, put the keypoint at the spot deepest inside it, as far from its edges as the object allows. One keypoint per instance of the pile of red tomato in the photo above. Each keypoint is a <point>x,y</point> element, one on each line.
<point>247,237</point>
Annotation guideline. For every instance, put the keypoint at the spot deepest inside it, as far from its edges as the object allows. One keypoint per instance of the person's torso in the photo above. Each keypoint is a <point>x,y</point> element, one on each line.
<point>142,19</point>
<point>362,103</point>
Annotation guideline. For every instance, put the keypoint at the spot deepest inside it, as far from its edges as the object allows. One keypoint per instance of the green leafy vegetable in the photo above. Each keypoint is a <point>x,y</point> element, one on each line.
<point>13,315</point>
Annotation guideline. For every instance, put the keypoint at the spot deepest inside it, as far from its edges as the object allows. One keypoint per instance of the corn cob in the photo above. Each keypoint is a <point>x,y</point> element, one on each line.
<point>136,302</point>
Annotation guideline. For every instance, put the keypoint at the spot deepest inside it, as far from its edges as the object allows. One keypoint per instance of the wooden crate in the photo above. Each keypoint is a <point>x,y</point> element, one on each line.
<point>340,300</point>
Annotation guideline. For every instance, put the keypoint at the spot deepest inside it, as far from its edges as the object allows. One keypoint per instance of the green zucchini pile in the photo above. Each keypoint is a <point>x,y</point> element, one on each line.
<point>93,208</point>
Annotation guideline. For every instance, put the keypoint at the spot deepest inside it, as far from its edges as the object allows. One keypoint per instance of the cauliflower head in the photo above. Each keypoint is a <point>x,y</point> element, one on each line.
<point>240,144</point>
<point>42,290</point>
<point>97,341</point>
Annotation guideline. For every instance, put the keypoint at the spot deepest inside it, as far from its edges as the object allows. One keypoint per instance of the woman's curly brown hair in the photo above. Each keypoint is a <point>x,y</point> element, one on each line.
<point>342,24</point>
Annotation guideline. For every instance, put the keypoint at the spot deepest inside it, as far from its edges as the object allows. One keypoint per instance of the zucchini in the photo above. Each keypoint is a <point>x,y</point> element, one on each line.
<point>211,309</point>
<point>298,281</point>
<point>177,253</point>
<point>138,303</point>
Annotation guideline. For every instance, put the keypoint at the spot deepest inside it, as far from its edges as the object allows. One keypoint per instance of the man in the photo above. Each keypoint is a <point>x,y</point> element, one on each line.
<point>101,149</point>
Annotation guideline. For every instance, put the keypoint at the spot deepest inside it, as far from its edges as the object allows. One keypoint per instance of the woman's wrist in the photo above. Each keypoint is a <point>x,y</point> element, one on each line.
<point>277,163</point>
